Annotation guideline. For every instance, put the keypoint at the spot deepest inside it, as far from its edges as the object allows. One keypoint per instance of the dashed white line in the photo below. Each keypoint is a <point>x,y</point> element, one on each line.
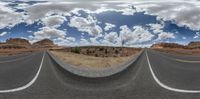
<point>165,86</point>
<point>28,84</point>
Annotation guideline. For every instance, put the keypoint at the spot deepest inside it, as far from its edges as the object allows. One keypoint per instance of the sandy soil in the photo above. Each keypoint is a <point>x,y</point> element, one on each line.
<point>179,51</point>
<point>89,61</point>
<point>8,52</point>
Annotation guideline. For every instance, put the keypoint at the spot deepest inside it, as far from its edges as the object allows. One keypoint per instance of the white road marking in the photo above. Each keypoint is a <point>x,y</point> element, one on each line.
<point>28,84</point>
<point>187,61</point>
<point>180,60</point>
<point>165,86</point>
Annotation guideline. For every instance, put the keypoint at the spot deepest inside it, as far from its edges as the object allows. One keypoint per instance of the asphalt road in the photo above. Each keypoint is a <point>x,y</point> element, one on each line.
<point>18,71</point>
<point>14,57</point>
<point>152,76</point>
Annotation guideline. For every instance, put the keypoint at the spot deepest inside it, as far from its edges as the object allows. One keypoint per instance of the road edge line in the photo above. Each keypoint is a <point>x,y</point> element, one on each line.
<point>28,84</point>
<point>165,86</point>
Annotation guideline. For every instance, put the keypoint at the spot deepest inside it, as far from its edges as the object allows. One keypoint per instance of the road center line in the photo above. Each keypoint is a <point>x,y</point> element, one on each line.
<point>28,84</point>
<point>187,61</point>
<point>165,86</point>
<point>179,60</point>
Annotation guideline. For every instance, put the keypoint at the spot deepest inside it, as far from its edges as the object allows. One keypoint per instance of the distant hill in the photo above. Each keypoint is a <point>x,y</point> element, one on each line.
<point>18,43</point>
<point>194,44</point>
<point>167,45</point>
<point>45,43</point>
<point>191,45</point>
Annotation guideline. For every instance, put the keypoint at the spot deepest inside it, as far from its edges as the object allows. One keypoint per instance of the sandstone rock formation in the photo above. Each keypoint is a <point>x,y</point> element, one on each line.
<point>11,46</point>
<point>18,41</point>
<point>194,44</point>
<point>167,45</point>
<point>45,43</point>
<point>15,43</point>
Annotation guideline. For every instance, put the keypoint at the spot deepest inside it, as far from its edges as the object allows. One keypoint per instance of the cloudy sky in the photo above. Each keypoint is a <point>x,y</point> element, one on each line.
<point>135,23</point>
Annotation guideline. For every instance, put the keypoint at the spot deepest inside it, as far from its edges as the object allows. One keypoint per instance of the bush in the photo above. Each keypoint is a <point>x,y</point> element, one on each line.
<point>87,51</point>
<point>101,49</point>
<point>106,51</point>
<point>76,50</point>
<point>116,52</point>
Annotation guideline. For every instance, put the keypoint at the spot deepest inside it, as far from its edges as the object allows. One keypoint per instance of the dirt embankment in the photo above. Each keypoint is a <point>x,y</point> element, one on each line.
<point>91,61</point>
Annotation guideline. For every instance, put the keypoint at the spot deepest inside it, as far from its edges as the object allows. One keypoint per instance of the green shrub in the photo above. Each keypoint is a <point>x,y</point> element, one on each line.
<point>76,50</point>
<point>116,52</point>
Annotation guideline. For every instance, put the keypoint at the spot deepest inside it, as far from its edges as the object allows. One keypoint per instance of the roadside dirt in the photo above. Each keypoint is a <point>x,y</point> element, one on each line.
<point>8,52</point>
<point>89,61</point>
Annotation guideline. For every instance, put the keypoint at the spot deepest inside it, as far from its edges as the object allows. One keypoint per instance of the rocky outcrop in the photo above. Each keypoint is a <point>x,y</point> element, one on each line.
<point>11,46</point>
<point>24,42</point>
<point>18,42</point>
<point>194,44</point>
<point>45,43</point>
<point>15,43</point>
<point>191,45</point>
<point>168,45</point>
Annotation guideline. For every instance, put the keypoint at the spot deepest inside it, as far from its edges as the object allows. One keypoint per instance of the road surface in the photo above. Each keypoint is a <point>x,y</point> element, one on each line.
<point>153,75</point>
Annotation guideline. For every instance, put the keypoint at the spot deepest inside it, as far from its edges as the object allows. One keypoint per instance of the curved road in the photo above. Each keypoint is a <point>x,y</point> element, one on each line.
<point>15,73</point>
<point>136,82</point>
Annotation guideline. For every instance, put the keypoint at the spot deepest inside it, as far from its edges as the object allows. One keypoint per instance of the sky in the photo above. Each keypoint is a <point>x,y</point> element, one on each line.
<point>131,23</point>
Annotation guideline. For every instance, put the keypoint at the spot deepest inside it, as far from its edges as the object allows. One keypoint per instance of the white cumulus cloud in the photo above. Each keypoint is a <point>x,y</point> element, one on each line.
<point>88,25</point>
<point>197,35</point>
<point>162,35</point>
<point>8,17</point>
<point>181,12</point>
<point>135,35</point>
<point>112,37</point>
<point>47,32</point>
<point>109,26</point>
<point>67,41</point>
<point>54,21</point>
<point>3,33</point>
<point>165,35</point>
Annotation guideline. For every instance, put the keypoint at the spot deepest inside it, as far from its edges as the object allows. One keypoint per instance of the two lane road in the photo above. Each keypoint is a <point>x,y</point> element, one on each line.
<point>176,73</point>
<point>136,82</point>
<point>19,72</point>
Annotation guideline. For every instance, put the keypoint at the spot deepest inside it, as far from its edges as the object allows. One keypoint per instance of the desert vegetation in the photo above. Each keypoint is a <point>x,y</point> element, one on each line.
<point>95,56</point>
<point>192,48</point>
<point>101,51</point>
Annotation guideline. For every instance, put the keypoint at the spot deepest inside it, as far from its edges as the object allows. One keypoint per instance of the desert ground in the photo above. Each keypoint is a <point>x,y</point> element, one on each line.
<point>93,58</point>
<point>9,52</point>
